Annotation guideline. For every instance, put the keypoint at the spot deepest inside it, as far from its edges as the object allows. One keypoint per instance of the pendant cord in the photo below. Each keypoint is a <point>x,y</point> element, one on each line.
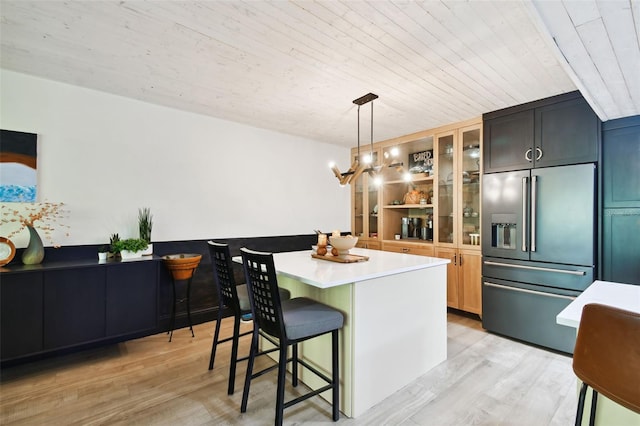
<point>372,132</point>
<point>359,134</point>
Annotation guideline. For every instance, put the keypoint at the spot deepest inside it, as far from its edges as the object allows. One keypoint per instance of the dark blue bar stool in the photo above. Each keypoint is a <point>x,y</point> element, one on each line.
<point>235,298</point>
<point>291,322</point>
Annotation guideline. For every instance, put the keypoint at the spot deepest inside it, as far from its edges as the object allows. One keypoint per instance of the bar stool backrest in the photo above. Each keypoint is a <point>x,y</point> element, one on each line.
<point>262,286</point>
<point>607,353</point>
<point>223,275</point>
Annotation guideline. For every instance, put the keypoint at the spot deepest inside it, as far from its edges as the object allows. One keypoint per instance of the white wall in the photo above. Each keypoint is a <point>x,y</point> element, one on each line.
<point>105,156</point>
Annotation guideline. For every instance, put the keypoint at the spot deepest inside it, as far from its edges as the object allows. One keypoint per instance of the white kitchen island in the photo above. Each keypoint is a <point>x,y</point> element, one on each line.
<point>395,327</point>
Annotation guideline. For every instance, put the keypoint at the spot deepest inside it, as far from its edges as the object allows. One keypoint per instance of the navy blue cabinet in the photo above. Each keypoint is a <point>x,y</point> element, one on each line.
<point>560,130</point>
<point>621,200</point>
<point>63,305</point>
<point>73,307</point>
<point>131,298</point>
<point>21,315</point>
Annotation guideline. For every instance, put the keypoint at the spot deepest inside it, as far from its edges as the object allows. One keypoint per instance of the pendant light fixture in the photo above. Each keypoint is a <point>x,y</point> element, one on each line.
<point>362,164</point>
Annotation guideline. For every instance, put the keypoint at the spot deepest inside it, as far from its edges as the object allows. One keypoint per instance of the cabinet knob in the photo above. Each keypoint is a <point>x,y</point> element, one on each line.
<point>405,250</point>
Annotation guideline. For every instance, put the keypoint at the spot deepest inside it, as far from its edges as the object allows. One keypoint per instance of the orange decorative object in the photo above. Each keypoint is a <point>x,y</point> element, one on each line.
<point>182,265</point>
<point>7,251</point>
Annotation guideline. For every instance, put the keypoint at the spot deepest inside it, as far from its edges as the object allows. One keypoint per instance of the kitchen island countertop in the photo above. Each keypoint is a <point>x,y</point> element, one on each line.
<point>321,273</point>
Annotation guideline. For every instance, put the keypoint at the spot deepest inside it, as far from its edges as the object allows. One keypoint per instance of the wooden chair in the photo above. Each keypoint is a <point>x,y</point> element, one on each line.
<point>291,322</point>
<point>607,357</point>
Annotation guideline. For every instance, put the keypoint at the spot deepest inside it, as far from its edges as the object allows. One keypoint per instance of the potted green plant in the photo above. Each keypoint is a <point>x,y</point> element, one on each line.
<point>103,252</point>
<point>145,225</point>
<point>130,248</point>
<point>112,240</point>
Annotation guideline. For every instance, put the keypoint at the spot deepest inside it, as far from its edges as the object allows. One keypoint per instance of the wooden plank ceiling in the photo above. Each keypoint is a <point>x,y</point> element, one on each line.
<point>295,67</point>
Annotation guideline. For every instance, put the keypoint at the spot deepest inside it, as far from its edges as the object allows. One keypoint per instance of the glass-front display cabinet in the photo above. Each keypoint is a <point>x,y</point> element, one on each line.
<point>407,182</point>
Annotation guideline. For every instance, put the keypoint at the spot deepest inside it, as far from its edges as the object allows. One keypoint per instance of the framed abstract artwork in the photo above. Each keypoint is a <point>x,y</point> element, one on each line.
<point>18,166</point>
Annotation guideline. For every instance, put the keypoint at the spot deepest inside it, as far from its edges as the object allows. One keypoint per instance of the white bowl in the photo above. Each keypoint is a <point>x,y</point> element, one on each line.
<point>343,244</point>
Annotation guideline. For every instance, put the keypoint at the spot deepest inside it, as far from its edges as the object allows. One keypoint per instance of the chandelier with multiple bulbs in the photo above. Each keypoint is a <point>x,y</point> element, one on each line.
<point>367,163</point>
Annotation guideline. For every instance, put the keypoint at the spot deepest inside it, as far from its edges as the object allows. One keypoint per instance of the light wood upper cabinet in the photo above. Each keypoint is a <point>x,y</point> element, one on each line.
<point>434,213</point>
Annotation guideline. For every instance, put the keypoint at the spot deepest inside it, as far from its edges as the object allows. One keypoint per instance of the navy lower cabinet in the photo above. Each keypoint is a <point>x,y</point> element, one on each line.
<point>73,307</point>
<point>131,298</point>
<point>20,315</point>
<point>67,306</point>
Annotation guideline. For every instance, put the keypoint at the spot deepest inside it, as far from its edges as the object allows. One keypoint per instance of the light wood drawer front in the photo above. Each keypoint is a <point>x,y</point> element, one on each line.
<point>419,250</point>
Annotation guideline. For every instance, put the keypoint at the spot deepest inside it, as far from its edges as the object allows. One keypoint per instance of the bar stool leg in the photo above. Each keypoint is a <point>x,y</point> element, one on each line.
<point>216,335</point>
<point>282,371</point>
<point>594,402</point>
<point>294,364</point>
<point>247,379</point>
<point>234,353</point>
<point>336,375</point>
<point>583,393</point>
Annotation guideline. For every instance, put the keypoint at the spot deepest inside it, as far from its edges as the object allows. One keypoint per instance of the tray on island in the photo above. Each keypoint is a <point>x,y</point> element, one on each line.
<point>344,258</point>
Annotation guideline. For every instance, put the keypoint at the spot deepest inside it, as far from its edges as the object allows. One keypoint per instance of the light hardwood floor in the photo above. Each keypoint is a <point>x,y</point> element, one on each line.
<point>486,380</point>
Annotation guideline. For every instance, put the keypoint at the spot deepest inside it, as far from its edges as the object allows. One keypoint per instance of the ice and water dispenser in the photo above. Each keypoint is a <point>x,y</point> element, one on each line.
<point>503,231</point>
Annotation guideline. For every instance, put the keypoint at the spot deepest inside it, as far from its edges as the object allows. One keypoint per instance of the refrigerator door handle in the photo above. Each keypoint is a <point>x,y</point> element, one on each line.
<point>524,213</point>
<point>535,268</point>
<point>534,209</point>
<point>524,290</point>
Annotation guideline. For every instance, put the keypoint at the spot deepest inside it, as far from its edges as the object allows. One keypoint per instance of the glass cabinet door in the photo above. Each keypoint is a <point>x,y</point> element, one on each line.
<point>470,181</point>
<point>358,218</point>
<point>446,188</point>
<point>365,205</point>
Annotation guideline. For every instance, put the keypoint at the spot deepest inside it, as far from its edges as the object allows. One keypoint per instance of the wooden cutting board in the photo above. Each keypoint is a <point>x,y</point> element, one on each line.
<point>347,258</point>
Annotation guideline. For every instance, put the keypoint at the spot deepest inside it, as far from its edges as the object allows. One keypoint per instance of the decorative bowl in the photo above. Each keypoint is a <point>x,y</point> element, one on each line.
<point>343,244</point>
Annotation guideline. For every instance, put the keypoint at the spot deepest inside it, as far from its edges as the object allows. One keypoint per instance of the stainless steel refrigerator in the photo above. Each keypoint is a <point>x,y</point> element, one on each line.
<point>539,250</point>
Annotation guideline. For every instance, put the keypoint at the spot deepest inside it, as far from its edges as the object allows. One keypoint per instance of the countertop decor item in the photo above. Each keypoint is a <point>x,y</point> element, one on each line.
<point>145,225</point>
<point>130,248</point>
<point>343,244</point>
<point>7,251</point>
<point>34,253</point>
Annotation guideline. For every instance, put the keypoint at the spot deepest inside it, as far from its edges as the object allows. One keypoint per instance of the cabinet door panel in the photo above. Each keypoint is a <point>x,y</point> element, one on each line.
<point>566,133</point>
<point>621,167</point>
<point>132,297</point>
<point>74,308</point>
<point>471,281</point>
<point>21,315</point>
<point>621,246</point>
<point>453,293</point>
<point>507,140</point>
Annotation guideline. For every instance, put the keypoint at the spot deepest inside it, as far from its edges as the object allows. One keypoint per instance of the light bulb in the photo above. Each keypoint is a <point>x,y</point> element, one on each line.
<point>377,180</point>
<point>367,159</point>
<point>407,177</point>
<point>395,151</point>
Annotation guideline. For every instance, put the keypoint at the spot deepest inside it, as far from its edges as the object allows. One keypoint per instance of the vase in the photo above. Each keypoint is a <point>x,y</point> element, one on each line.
<point>34,253</point>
